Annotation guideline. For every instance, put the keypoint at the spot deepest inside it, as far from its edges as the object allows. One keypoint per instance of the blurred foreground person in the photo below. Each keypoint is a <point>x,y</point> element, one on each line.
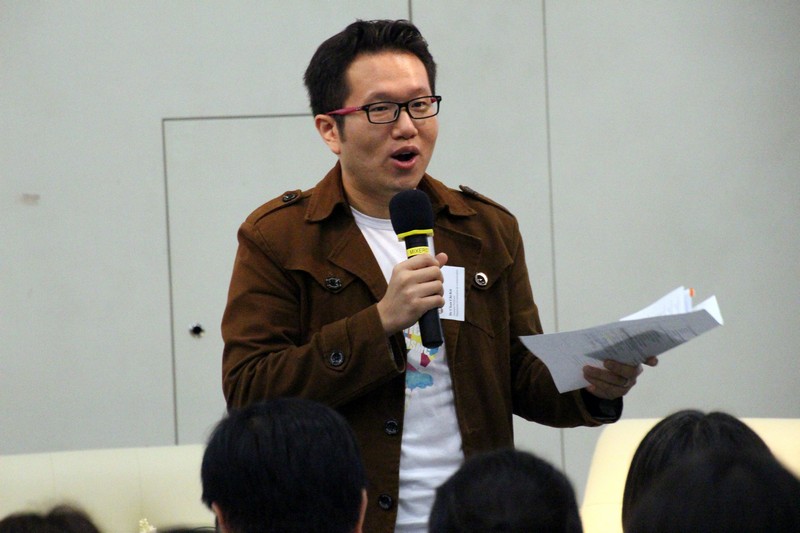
<point>721,492</point>
<point>678,435</point>
<point>506,491</point>
<point>287,465</point>
<point>60,519</point>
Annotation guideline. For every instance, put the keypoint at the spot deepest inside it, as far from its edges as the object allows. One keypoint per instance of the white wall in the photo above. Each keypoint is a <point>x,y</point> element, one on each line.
<point>675,150</point>
<point>642,146</point>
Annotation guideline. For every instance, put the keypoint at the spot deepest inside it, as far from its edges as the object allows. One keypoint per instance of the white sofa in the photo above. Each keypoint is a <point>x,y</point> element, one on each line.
<point>116,487</point>
<point>601,509</point>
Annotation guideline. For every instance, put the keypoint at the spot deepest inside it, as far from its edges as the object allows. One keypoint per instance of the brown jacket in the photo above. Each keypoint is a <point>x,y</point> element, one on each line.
<point>302,320</point>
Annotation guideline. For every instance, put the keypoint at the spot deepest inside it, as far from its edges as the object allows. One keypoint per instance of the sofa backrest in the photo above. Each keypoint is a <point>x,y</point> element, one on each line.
<point>116,487</point>
<point>601,510</point>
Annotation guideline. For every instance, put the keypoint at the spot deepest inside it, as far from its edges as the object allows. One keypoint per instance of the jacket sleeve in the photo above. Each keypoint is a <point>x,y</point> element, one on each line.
<point>270,349</point>
<point>535,395</point>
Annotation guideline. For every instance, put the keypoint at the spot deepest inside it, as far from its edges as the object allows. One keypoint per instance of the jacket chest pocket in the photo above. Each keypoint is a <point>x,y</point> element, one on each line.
<point>330,294</point>
<point>487,306</point>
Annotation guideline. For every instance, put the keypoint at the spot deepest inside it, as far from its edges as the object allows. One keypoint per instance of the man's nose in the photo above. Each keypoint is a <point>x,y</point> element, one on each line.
<point>405,125</point>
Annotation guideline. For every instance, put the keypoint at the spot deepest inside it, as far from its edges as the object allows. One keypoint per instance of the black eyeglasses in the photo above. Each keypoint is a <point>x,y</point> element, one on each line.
<point>388,112</point>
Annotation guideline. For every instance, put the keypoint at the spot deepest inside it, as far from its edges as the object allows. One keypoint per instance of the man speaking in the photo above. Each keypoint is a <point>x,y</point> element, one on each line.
<point>324,302</point>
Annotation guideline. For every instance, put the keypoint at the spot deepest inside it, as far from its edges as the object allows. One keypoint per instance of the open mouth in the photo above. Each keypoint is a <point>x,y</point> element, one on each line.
<point>404,156</point>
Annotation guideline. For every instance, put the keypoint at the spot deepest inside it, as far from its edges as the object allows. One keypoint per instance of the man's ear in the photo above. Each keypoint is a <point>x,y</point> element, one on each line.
<point>329,131</point>
<point>360,525</point>
<point>222,526</point>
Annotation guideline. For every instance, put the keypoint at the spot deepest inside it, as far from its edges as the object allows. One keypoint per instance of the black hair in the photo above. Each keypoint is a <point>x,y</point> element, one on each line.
<point>681,434</point>
<point>325,77</point>
<point>287,465</point>
<point>720,491</point>
<point>505,491</point>
<point>60,519</point>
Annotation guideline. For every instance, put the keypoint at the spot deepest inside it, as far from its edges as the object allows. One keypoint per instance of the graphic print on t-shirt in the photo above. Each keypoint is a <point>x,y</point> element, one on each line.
<point>418,360</point>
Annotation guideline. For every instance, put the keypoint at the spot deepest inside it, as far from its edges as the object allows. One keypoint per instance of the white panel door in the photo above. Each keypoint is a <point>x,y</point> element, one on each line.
<point>218,171</point>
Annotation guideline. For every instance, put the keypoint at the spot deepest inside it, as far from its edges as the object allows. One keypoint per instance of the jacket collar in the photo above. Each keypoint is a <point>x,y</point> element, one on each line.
<point>329,193</point>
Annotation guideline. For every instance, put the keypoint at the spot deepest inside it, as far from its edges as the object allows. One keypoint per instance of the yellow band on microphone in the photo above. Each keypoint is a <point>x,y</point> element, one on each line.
<point>402,236</point>
<point>417,250</point>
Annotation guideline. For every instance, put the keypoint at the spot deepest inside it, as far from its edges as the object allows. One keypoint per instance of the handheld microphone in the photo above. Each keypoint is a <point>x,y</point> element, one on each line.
<point>412,219</point>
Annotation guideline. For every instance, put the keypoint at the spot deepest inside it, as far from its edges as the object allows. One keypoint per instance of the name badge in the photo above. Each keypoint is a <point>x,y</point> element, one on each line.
<point>453,293</point>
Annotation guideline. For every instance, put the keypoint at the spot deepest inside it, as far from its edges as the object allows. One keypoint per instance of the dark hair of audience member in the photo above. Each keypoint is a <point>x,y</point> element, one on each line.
<point>717,491</point>
<point>678,435</point>
<point>188,529</point>
<point>284,465</point>
<point>505,491</point>
<point>60,519</point>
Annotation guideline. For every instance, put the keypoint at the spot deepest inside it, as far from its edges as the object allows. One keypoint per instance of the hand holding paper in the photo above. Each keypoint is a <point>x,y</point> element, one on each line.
<point>666,323</point>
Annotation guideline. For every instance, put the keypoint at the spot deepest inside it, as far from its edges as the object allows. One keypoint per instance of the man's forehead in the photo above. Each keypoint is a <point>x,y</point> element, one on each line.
<point>370,75</point>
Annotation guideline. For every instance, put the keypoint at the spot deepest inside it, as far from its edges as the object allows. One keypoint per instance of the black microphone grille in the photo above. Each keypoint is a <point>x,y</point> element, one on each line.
<point>410,210</point>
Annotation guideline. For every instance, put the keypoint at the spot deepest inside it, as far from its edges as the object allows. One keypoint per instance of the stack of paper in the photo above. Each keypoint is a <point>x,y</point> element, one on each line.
<point>662,325</point>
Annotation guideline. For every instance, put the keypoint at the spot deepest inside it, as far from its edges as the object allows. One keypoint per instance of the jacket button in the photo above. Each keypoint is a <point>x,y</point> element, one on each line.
<point>385,501</point>
<point>481,279</point>
<point>391,427</point>
<point>336,358</point>
<point>333,283</point>
<point>288,197</point>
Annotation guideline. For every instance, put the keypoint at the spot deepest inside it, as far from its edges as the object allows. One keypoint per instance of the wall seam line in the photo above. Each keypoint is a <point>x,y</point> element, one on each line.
<point>169,283</point>
<point>551,201</point>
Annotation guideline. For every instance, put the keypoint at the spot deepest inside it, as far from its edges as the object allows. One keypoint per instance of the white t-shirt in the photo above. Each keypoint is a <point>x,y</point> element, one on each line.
<point>431,447</point>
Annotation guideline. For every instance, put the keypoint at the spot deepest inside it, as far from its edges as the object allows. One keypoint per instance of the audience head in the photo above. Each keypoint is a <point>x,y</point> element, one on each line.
<point>284,465</point>
<point>681,434</point>
<point>188,529</point>
<point>505,491</point>
<point>61,519</point>
<point>717,491</point>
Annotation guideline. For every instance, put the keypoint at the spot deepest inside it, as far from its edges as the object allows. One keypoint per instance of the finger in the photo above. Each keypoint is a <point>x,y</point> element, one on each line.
<point>606,391</point>
<point>608,378</point>
<point>651,361</point>
<point>604,383</point>
<point>421,261</point>
<point>427,289</point>
<point>621,369</point>
<point>429,274</point>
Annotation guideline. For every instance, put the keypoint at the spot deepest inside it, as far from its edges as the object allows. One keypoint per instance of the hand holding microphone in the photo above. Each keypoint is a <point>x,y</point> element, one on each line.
<point>415,289</point>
